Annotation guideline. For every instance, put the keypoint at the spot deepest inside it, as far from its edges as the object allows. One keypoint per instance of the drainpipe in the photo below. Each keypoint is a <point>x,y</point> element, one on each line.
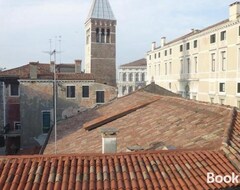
<point>4,105</point>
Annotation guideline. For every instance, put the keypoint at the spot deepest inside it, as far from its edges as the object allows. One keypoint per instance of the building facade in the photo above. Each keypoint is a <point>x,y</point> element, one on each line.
<point>100,45</point>
<point>29,100</point>
<point>131,77</point>
<point>202,65</point>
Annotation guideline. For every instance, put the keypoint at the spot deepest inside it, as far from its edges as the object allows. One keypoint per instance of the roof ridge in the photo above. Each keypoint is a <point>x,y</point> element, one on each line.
<point>99,121</point>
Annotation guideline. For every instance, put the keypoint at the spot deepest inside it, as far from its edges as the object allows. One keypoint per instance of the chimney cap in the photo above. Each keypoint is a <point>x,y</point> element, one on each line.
<point>109,131</point>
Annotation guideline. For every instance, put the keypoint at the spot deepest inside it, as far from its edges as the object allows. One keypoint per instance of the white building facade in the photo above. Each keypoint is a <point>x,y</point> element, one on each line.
<point>132,76</point>
<point>202,65</point>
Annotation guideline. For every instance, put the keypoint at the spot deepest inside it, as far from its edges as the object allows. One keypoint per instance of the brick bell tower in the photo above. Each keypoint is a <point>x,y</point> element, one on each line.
<point>100,47</point>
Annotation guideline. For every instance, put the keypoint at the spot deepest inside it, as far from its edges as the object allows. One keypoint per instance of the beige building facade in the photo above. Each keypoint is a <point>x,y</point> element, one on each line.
<point>202,65</point>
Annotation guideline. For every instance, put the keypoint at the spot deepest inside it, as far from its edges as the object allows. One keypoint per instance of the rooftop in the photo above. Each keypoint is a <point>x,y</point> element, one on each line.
<point>147,170</point>
<point>44,72</point>
<point>137,63</point>
<point>101,9</point>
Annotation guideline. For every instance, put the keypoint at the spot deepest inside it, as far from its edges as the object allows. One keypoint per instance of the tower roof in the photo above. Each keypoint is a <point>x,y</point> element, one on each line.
<point>101,9</point>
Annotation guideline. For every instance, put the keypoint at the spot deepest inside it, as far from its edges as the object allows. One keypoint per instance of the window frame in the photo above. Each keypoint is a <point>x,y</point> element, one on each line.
<point>212,38</point>
<point>10,90</point>
<point>67,92</point>
<point>195,44</point>
<point>84,93</point>
<point>222,87</point>
<point>102,102</point>
<point>46,129</point>
<point>223,35</point>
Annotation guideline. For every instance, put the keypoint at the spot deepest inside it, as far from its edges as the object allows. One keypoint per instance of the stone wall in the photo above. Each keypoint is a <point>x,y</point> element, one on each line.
<point>37,97</point>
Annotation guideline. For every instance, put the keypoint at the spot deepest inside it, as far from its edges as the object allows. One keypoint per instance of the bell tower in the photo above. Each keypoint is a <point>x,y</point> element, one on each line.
<point>100,47</point>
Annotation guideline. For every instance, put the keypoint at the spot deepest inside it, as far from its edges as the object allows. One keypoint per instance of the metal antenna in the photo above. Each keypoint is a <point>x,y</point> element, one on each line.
<point>60,55</point>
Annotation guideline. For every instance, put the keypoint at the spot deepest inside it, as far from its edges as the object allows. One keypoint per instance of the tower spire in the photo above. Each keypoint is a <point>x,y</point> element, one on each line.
<point>101,9</point>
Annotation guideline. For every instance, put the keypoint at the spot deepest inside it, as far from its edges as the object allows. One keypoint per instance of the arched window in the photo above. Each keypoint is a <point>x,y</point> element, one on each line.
<point>130,77</point>
<point>97,35</point>
<point>143,77</point>
<point>108,36</point>
<point>102,35</point>
<point>124,77</point>
<point>137,77</point>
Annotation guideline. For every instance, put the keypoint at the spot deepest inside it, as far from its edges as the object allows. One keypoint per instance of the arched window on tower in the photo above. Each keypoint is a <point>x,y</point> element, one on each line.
<point>97,35</point>
<point>108,36</point>
<point>102,36</point>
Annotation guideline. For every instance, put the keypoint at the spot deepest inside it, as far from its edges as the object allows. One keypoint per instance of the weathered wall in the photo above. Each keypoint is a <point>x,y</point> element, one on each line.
<point>1,105</point>
<point>36,97</point>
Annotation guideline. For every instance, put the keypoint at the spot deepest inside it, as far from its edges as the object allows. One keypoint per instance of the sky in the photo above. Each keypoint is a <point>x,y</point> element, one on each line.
<point>27,26</point>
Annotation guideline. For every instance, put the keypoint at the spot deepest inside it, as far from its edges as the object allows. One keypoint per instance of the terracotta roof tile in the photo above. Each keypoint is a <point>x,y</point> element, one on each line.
<point>147,170</point>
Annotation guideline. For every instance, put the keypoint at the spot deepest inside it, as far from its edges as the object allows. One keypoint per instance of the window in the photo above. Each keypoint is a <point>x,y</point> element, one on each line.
<point>188,65</point>
<point>155,70</point>
<point>188,46</point>
<point>85,91</point>
<point>70,91</point>
<point>159,55</point>
<point>159,70</point>
<point>149,57</point>
<point>223,55</point>
<point>137,77</point>
<point>14,90</point>
<point>196,64</point>
<point>238,87</point>
<point>170,85</point>
<point>213,62</point>
<point>97,35</point>
<point>124,90</point>
<point>155,56</point>
<point>102,36</point>
<point>17,125</point>
<point>181,48</point>
<point>195,44</point>
<point>124,77</point>
<point>130,77</point>
<point>221,87</point>
<point>181,62</point>
<point>143,77</point>
<point>165,68</point>
<point>108,36</point>
<point>130,89</point>
<point>100,97</point>
<point>165,52</point>
<point>170,51</point>
<point>170,68</point>
<point>213,38</point>
<point>223,35</point>
<point>46,121</point>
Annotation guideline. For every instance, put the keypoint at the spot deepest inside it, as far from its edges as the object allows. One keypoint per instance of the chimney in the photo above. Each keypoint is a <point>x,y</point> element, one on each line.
<point>153,45</point>
<point>78,66</point>
<point>163,41</point>
<point>109,140</point>
<point>52,66</point>
<point>33,70</point>
<point>234,11</point>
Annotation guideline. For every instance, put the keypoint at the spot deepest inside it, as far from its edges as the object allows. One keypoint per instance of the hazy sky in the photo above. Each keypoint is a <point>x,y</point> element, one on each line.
<point>27,25</point>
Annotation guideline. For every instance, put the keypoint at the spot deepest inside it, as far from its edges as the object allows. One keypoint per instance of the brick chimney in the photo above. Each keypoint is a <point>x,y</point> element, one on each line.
<point>109,140</point>
<point>78,66</point>
<point>234,11</point>
<point>33,70</point>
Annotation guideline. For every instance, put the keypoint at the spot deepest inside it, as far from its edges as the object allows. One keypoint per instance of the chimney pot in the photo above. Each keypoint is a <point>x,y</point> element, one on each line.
<point>163,41</point>
<point>153,45</point>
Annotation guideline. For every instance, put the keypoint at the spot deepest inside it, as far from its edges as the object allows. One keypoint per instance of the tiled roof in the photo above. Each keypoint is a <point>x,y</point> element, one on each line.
<point>137,63</point>
<point>101,9</point>
<point>169,121</point>
<point>43,72</point>
<point>173,170</point>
